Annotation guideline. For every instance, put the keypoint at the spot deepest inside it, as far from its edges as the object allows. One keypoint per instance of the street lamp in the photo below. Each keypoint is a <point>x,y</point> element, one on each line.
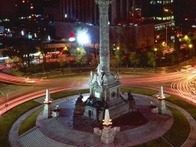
<point>190,45</point>
<point>155,49</point>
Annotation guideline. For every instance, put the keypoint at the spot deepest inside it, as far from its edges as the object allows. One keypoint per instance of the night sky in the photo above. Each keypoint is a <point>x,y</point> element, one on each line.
<point>8,7</point>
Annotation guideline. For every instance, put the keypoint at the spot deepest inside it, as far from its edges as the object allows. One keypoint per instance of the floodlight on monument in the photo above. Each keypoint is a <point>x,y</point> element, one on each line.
<point>82,37</point>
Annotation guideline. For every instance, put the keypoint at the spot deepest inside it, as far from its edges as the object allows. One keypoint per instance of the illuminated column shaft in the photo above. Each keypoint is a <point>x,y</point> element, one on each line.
<point>104,34</point>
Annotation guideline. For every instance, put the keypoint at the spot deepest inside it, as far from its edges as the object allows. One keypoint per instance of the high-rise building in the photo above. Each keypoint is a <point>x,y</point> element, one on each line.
<point>129,13</point>
<point>86,11</point>
<point>162,10</point>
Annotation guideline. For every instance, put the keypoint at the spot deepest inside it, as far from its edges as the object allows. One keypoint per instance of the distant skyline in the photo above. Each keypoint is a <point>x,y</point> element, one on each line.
<point>13,8</point>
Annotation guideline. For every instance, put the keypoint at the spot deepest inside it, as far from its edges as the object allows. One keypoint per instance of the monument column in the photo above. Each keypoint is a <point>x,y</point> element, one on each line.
<point>104,35</point>
<point>104,86</point>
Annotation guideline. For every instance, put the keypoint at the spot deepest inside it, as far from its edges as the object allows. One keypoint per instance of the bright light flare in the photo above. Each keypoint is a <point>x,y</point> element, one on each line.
<point>83,37</point>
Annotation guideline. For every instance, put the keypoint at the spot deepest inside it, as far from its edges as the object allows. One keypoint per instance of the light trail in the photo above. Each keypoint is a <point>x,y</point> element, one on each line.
<point>182,85</point>
<point>41,93</point>
<point>185,86</point>
<point>5,78</point>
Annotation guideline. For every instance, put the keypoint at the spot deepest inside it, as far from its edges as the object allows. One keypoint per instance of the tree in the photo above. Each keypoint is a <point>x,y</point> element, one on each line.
<point>61,59</point>
<point>79,55</point>
<point>151,59</point>
<point>134,59</point>
<point>117,56</point>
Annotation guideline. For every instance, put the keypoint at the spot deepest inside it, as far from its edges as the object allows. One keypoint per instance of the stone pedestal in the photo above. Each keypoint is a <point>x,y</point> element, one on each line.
<point>163,107</point>
<point>107,133</point>
<point>107,136</point>
<point>47,105</point>
<point>161,96</point>
<point>47,110</point>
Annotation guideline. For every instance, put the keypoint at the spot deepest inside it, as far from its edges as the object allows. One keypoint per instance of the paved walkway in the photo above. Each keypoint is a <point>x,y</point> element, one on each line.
<point>58,132</point>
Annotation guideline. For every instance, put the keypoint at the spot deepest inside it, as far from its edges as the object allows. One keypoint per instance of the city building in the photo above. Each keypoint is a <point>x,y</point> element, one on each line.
<point>124,14</point>
<point>121,12</point>
<point>162,12</point>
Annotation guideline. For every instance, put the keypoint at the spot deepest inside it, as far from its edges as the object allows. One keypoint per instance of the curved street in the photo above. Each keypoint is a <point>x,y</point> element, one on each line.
<point>181,84</point>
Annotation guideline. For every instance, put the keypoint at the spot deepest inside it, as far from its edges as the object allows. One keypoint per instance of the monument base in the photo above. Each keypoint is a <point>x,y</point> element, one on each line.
<point>117,107</point>
<point>105,94</point>
<point>47,110</point>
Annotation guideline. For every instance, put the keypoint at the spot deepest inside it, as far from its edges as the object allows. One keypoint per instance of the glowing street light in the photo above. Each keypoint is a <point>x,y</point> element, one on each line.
<point>186,38</point>
<point>164,44</point>
<point>83,37</point>
<point>155,49</point>
<point>190,45</point>
<point>22,33</point>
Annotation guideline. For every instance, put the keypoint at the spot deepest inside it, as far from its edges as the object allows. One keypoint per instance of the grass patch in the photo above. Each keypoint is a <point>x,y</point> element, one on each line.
<point>191,109</point>
<point>8,119</point>
<point>63,94</point>
<point>180,129</point>
<point>29,122</point>
<point>139,91</point>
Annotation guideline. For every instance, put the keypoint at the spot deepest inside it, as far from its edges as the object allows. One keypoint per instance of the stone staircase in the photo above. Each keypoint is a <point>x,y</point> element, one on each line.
<point>61,134</point>
<point>35,138</point>
<point>118,107</point>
